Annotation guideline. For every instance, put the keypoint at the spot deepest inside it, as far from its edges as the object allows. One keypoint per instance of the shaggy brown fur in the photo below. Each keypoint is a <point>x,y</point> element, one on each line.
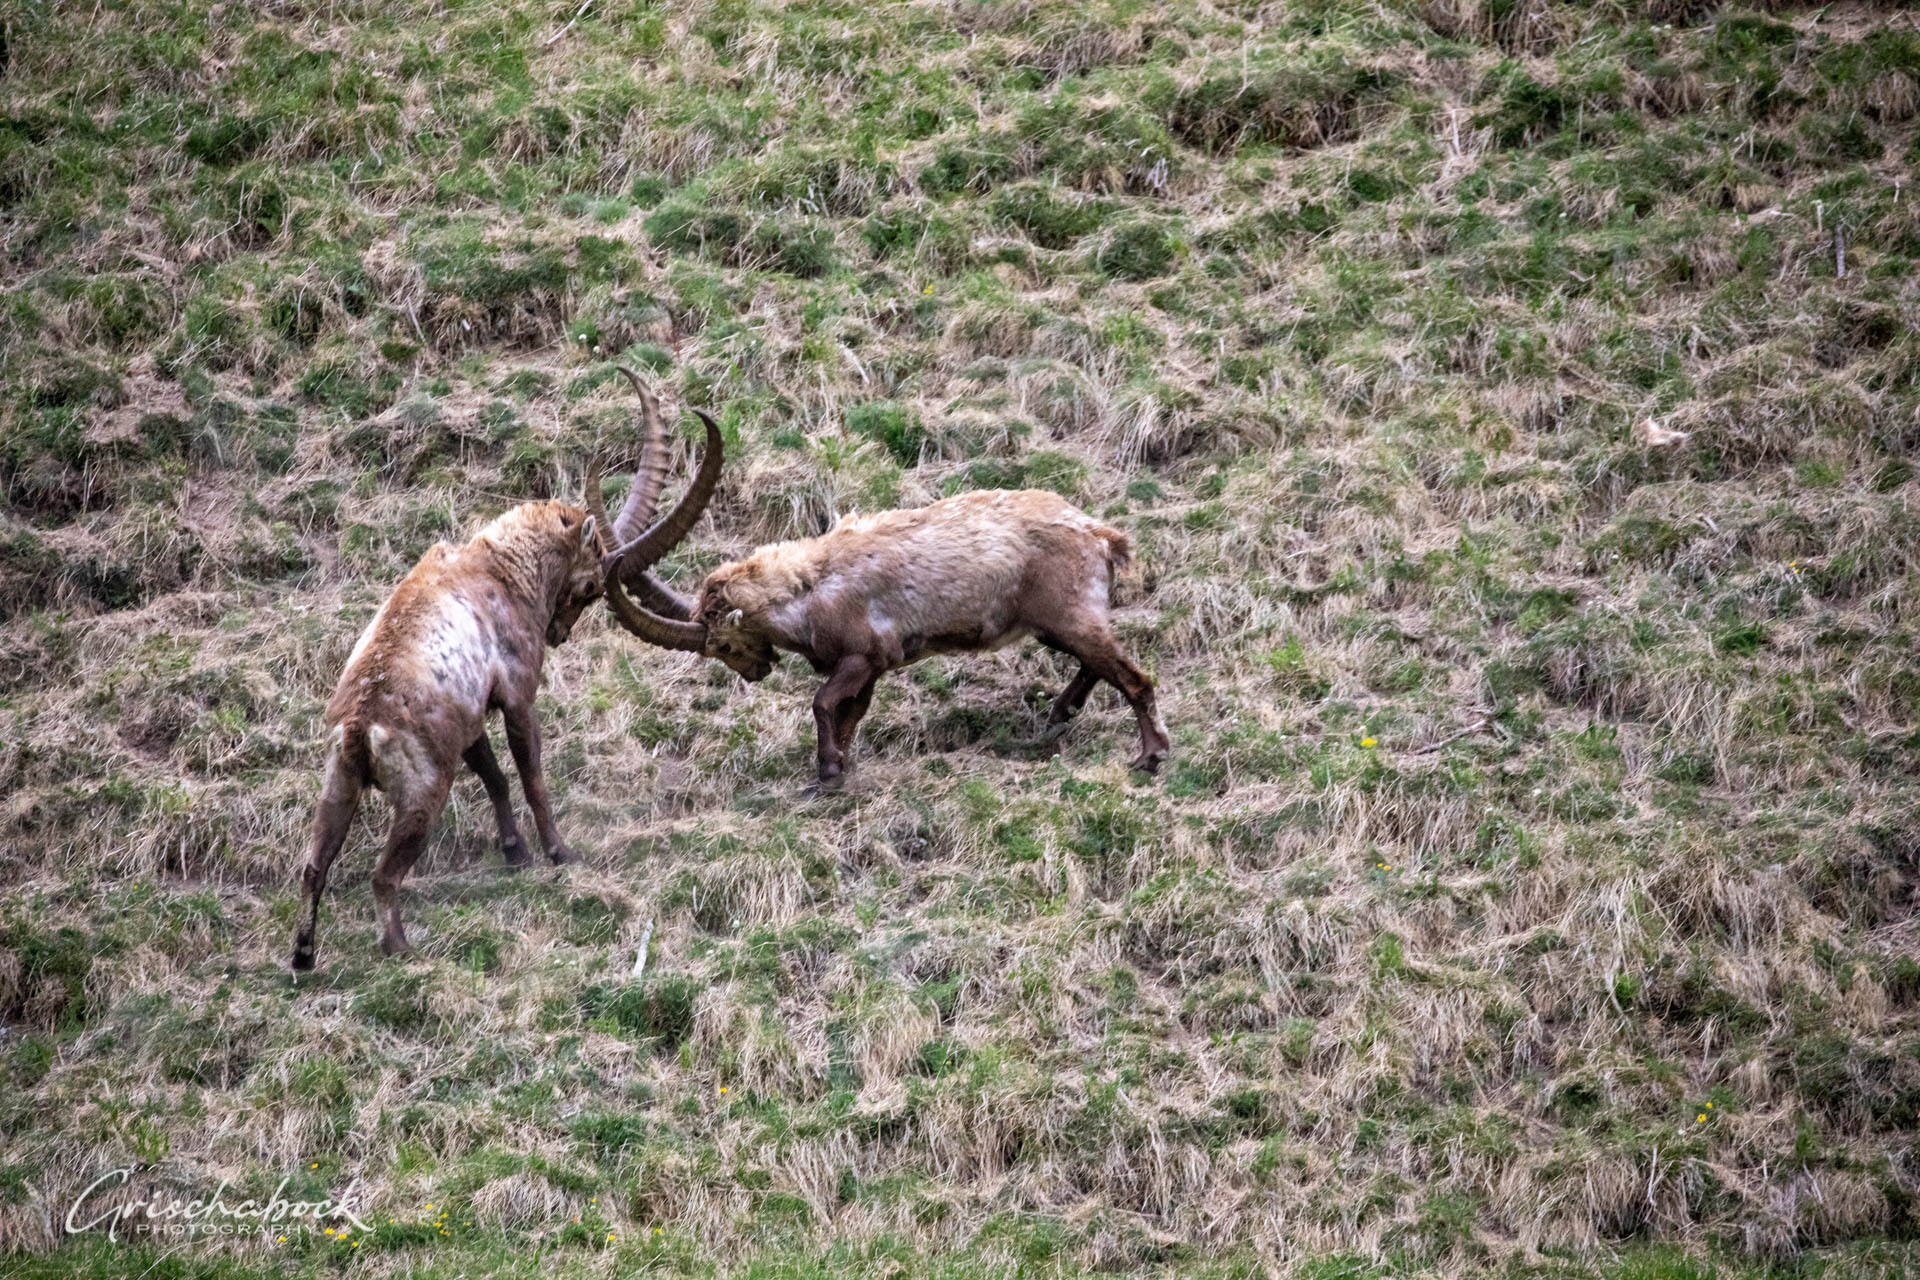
<point>971,572</point>
<point>465,632</point>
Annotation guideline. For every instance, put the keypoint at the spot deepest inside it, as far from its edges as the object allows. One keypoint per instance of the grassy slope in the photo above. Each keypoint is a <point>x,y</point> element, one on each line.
<point>1534,788</point>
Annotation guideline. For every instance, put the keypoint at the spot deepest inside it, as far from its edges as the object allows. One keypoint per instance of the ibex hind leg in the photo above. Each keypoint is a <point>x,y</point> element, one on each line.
<point>1101,655</point>
<point>418,788</point>
<point>339,801</point>
<point>412,822</point>
<point>1068,704</point>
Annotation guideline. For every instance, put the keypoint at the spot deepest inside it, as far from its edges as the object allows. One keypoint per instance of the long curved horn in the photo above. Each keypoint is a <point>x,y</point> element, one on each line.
<point>597,508</point>
<point>650,626</point>
<point>644,551</point>
<point>642,497</point>
<point>661,598</point>
<point>637,511</point>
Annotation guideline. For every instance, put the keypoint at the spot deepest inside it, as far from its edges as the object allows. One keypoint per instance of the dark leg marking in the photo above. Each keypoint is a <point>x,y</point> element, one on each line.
<point>481,760</point>
<point>1102,655</point>
<point>339,801</point>
<point>855,673</point>
<point>523,739</point>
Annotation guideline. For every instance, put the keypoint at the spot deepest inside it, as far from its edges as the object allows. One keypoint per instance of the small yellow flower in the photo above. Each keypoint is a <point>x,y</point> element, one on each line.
<point>1701,1118</point>
<point>928,289</point>
<point>1368,742</point>
<point>281,1240</point>
<point>657,1231</point>
<point>356,1244</point>
<point>1709,1106</point>
<point>329,1230</point>
<point>316,1165</point>
<point>723,1088</point>
<point>429,1207</point>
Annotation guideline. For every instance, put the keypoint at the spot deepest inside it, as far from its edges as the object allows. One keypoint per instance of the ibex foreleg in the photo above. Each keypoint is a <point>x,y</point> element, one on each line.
<point>480,759</point>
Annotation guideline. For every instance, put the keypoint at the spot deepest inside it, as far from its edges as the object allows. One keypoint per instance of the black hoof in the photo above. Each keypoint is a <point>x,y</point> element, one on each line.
<point>1150,763</point>
<point>303,959</point>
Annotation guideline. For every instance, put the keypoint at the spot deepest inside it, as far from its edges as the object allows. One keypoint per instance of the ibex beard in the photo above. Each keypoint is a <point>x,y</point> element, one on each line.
<point>465,632</point>
<point>972,572</point>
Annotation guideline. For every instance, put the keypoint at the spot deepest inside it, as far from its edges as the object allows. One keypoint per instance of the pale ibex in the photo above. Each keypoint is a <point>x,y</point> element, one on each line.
<point>968,573</point>
<point>464,633</point>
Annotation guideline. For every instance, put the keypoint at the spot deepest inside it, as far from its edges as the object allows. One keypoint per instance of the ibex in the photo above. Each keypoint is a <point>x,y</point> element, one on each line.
<point>465,632</point>
<point>968,573</point>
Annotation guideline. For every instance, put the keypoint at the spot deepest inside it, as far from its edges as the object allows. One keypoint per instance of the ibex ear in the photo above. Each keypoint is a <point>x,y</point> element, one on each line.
<point>587,531</point>
<point>733,619</point>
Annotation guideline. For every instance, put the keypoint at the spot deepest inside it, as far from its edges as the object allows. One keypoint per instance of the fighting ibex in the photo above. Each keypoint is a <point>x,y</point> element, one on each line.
<point>464,633</point>
<point>968,573</point>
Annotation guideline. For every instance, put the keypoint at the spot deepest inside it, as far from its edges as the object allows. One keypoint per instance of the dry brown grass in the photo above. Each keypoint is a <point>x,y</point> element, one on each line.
<point>1533,788</point>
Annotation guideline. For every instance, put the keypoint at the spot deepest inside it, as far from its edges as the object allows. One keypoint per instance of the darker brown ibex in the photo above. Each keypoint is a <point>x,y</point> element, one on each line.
<point>971,572</point>
<point>464,633</point>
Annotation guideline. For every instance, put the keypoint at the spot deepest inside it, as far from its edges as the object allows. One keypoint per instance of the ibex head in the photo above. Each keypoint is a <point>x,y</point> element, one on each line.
<point>585,582</point>
<point>731,635</point>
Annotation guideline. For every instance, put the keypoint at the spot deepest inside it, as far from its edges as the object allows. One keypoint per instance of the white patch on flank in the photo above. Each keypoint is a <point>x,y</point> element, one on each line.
<point>1096,597</point>
<point>882,625</point>
<point>393,760</point>
<point>455,649</point>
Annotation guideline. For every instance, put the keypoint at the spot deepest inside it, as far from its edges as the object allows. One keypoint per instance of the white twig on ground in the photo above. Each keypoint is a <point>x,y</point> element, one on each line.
<point>1475,727</point>
<point>570,21</point>
<point>640,961</point>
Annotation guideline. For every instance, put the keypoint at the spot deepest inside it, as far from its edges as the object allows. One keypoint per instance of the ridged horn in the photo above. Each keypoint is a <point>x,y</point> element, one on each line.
<point>637,511</point>
<point>668,633</point>
<point>658,596</point>
<point>597,508</point>
<point>644,551</point>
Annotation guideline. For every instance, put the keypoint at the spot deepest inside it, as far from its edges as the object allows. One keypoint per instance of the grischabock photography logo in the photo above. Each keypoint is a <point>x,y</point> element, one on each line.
<point>133,1202</point>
